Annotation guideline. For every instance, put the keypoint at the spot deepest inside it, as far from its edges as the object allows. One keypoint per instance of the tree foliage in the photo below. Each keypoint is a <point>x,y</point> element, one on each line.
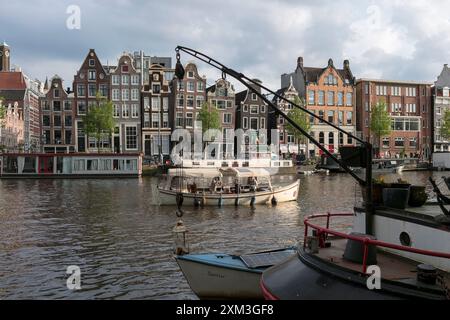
<point>381,121</point>
<point>301,118</point>
<point>445,127</point>
<point>99,121</point>
<point>210,117</point>
<point>2,109</point>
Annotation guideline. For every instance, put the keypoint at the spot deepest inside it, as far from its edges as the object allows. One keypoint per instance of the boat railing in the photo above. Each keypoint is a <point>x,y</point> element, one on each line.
<point>323,232</point>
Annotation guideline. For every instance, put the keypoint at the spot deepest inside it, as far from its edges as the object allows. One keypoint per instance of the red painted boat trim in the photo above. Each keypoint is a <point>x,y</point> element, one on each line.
<point>266,293</point>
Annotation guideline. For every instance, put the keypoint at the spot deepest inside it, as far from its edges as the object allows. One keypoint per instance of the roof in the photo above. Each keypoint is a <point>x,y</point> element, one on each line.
<point>195,173</point>
<point>246,172</point>
<point>240,96</point>
<point>12,95</point>
<point>313,74</point>
<point>12,80</point>
<point>443,79</point>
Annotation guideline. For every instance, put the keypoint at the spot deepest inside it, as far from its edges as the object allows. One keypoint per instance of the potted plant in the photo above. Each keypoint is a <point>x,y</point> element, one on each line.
<point>397,195</point>
<point>378,185</point>
<point>417,196</point>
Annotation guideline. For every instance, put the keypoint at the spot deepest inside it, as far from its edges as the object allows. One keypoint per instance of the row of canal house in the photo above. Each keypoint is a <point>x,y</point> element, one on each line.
<point>150,103</point>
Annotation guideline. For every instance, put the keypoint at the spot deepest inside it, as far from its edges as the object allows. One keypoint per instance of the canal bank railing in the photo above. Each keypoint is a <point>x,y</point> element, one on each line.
<point>323,232</point>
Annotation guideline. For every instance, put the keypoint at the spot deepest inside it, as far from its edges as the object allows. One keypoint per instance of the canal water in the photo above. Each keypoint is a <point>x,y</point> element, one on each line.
<point>114,230</point>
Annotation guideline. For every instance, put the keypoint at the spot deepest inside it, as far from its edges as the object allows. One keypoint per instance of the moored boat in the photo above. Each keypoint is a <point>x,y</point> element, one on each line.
<point>225,276</point>
<point>223,187</point>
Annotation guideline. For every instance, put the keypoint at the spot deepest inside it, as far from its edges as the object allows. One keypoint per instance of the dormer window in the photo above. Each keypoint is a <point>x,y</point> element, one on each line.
<point>190,74</point>
<point>91,62</point>
<point>254,97</point>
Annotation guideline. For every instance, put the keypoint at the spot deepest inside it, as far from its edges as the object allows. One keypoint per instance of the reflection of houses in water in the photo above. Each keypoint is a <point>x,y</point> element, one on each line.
<point>11,128</point>
<point>74,164</point>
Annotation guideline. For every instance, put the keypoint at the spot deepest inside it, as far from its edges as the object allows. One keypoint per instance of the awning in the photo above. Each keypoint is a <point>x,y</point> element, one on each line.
<point>246,172</point>
<point>195,173</point>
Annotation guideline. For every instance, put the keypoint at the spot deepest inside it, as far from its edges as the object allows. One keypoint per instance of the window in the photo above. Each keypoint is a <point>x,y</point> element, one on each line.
<point>180,86</point>
<point>57,121</point>
<point>190,101</point>
<point>67,120</point>
<point>254,123</point>
<point>179,119</point>
<point>57,106</point>
<point>200,101</point>
<point>156,103</point>
<point>349,117</point>
<point>103,90</point>
<point>413,142</point>
<point>254,109</point>
<point>321,138</point>
<point>321,98</point>
<point>146,120</point>
<point>115,80</point>
<point>165,120</point>
<point>281,136</point>
<point>58,137</point>
<point>263,109</point>
<point>156,88</point>
<point>155,76</point>
<point>92,90</point>
<point>349,98</point>
<point>46,121</point>
<point>386,142</point>
<point>245,108</point>
<point>254,97</point>
<point>134,94</point>
<point>68,105</point>
<point>340,98</point>
<point>135,79</point>
<point>381,90</point>
<point>56,93</point>
<point>81,107</point>
<point>115,94</point>
<point>134,111</point>
<point>405,124</point>
<point>125,111</point>
<point>91,75</point>
<point>200,86</point>
<point>227,118</point>
<point>190,86</point>
<point>189,120</point>
<point>220,104</point>
<point>341,138</point>
<point>125,79</point>
<point>349,139</point>
<point>410,92</point>
<point>45,105</point>
<point>116,111</point>
<point>263,123</point>
<point>131,137</point>
<point>91,62</point>
<point>68,137</point>
<point>310,97</point>
<point>245,123</point>
<point>366,88</point>
<point>330,98</point>
<point>290,138</point>
<point>125,94</point>
<point>190,74</point>
<point>180,100</point>
<point>330,116</point>
<point>399,142</point>
<point>341,118</point>
<point>155,120</point>
<point>81,91</point>
<point>321,116</point>
<point>331,138</point>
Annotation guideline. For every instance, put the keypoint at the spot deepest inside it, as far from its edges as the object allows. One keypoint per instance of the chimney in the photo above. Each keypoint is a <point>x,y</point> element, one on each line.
<point>300,62</point>
<point>346,64</point>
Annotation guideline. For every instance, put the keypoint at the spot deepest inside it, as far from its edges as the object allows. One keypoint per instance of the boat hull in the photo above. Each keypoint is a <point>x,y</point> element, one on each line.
<point>215,282</point>
<point>281,194</point>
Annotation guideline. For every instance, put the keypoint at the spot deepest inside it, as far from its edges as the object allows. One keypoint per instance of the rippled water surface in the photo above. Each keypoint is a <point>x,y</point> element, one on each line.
<point>121,239</point>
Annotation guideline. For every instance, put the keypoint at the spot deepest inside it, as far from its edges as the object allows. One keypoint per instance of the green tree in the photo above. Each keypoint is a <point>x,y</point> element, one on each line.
<point>210,117</point>
<point>380,122</point>
<point>2,111</point>
<point>301,118</point>
<point>99,121</point>
<point>445,127</point>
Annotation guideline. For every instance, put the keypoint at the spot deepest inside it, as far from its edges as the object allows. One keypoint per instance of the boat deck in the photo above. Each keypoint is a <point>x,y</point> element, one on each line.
<point>392,267</point>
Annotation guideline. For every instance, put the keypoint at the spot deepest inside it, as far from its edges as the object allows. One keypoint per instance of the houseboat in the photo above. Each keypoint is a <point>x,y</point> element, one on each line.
<point>218,187</point>
<point>69,165</point>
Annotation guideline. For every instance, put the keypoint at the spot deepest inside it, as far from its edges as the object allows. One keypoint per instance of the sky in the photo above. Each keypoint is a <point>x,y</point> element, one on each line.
<point>392,39</point>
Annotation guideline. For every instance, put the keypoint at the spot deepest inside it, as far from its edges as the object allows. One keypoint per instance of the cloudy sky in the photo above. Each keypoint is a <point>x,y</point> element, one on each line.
<point>395,39</point>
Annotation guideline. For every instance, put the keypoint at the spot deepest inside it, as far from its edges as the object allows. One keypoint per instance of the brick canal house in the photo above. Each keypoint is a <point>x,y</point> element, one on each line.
<point>92,77</point>
<point>221,96</point>
<point>57,118</point>
<point>441,103</point>
<point>288,142</point>
<point>125,84</point>
<point>156,95</point>
<point>252,114</point>
<point>329,93</point>
<point>409,105</point>
<point>187,98</point>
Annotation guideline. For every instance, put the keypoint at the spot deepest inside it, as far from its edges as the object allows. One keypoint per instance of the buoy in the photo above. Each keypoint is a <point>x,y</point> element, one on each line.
<point>274,201</point>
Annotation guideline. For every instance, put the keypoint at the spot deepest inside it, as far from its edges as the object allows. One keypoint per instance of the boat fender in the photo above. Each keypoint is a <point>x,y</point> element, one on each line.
<point>179,200</point>
<point>252,201</point>
<point>274,201</point>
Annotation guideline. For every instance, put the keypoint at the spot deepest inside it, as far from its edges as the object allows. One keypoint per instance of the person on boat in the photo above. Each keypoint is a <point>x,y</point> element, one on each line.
<point>253,182</point>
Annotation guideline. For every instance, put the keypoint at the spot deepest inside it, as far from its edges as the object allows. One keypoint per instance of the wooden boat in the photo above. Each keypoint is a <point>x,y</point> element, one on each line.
<point>224,187</point>
<point>225,276</point>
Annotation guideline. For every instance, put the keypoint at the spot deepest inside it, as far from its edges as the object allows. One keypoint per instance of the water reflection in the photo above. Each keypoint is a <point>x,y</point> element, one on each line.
<point>121,239</point>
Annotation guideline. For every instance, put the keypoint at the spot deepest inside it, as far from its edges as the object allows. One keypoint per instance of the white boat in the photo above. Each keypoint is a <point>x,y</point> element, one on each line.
<point>225,276</point>
<point>224,187</point>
